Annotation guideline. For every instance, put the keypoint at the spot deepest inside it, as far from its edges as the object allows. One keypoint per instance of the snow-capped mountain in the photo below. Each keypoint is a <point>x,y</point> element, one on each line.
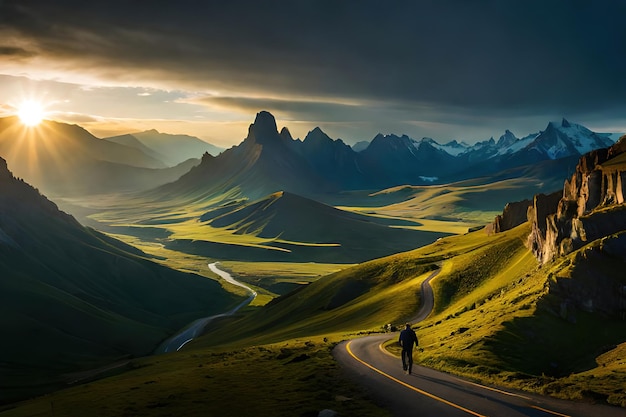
<point>558,140</point>
<point>567,139</point>
<point>453,148</point>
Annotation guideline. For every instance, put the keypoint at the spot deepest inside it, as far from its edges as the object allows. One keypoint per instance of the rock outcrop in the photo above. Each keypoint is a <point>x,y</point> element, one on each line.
<point>576,218</point>
<point>540,213</point>
<point>589,214</point>
<point>512,216</point>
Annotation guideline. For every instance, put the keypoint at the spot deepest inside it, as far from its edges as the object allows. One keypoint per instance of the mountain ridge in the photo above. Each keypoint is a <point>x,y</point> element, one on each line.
<point>63,159</point>
<point>268,161</point>
<point>91,298</point>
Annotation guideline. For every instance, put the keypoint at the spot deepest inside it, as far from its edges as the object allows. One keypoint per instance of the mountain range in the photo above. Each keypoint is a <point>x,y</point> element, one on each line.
<point>63,159</point>
<point>71,161</point>
<point>268,161</point>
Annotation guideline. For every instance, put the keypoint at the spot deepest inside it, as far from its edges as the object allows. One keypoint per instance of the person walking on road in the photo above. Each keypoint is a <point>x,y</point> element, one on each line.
<point>407,340</point>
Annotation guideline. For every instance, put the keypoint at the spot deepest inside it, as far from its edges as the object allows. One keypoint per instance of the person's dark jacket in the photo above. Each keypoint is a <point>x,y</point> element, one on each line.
<point>407,339</point>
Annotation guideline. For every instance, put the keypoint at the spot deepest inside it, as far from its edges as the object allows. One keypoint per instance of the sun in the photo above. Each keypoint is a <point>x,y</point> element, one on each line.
<point>31,113</point>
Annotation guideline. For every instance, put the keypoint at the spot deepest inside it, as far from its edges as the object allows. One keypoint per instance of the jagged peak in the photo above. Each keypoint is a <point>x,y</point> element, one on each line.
<point>264,129</point>
<point>207,157</point>
<point>317,134</point>
<point>4,170</point>
<point>565,123</point>
<point>285,134</point>
<point>379,136</point>
<point>265,119</point>
<point>507,139</point>
<point>551,126</point>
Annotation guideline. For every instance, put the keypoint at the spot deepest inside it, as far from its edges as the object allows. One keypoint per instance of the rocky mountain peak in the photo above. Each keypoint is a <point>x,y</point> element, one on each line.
<point>263,130</point>
<point>4,170</point>
<point>206,157</point>
<point>317,135</point>
<point>507,139</point>
<point>286,134</point>
<point>565,123</point>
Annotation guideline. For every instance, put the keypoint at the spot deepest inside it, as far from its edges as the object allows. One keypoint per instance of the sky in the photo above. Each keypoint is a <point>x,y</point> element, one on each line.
<point>446,69</point>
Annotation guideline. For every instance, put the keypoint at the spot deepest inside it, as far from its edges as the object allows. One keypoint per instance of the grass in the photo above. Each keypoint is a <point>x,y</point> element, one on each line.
<point>280,227</point>
<point>450,208</point>
<point>497,329</point>
<point>496,322</point>
<point>294,378</point>
<point>279,278</point>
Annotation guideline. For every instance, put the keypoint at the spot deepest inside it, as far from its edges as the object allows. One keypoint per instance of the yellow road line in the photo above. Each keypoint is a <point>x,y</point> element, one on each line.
<point>493,389</point>
<point>385,351</point>
<point>549,411</point>
<point>427,394</point>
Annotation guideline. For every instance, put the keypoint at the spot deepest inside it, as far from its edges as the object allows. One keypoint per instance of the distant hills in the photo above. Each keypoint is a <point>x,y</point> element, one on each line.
<point>63,159</point>
<point>169,149</point>
<point>305,230</point>
<point>72,298</point>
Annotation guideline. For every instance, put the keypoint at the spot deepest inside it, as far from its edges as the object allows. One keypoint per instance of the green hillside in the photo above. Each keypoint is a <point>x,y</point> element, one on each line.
<point>281,227</point>
<point>72,299</point>
<point>494,322</point>
<point>451,208</point>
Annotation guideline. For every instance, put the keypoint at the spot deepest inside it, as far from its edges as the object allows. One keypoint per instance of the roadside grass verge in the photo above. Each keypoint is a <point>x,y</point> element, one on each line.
<point>293,378</point>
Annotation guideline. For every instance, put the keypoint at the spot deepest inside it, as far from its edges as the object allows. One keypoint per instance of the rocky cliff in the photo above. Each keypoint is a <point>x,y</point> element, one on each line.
<point>513,215</point>
<point>588,218</point>
<point>588,208</point>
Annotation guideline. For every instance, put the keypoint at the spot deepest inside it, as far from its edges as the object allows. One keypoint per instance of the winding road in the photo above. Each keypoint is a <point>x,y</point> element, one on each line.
<point>427,392</point>
<point>194,329</point>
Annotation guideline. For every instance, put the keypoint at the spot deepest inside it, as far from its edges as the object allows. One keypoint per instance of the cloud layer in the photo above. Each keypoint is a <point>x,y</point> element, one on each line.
<point>338,62</point>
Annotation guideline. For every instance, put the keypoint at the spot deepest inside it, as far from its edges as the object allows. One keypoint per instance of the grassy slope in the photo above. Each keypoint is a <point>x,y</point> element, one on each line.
<point>481,331</point>
<point>282,377</point>
<point>90,299</point>
<point>295,378</point>
<point>452,208</point>
<point>282,227</point>
<point>508,330</point>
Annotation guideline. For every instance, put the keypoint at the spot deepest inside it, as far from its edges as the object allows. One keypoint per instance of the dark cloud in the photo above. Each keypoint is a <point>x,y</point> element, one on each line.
<point>13,51</point>
<point>488,57</point>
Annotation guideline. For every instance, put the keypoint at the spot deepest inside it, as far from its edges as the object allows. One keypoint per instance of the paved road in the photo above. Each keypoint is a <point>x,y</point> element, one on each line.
<point>427,392</point>
<point>194,329</point>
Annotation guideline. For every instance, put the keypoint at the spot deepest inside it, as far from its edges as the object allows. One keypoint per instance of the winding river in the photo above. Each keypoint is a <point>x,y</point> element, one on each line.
<point>196,327</point>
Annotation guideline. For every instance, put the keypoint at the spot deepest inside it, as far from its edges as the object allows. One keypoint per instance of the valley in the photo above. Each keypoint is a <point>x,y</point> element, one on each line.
<point>329,260</point>
<point>235,208</point>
